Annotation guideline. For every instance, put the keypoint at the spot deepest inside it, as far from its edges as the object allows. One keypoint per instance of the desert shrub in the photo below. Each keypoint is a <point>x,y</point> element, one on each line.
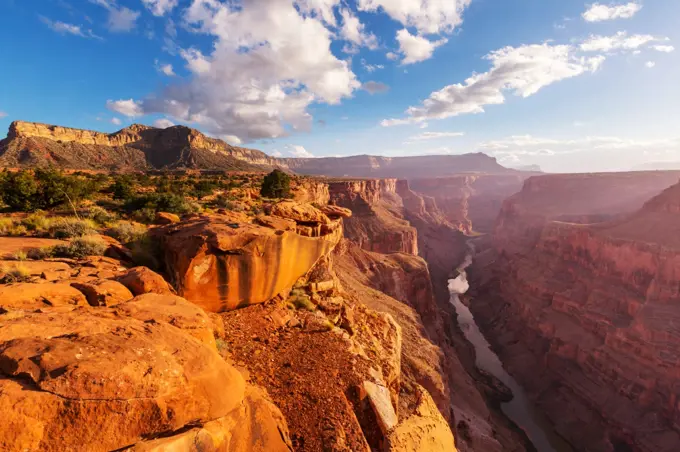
<point>276,185</point>
<point>300,300</point>
<point>14,275</point>
<point>122,188</point>
<point>20,256</point>
<point>126,231</point>
<point>67,227</point>
<point>37,222</point>
<point>10,227</point>
<point>43,188</point>
<point>80,247</point>
<point>100,215</point>
<point>146,215</point>
<point>162,202</point>
<point>203,188</point>
<point>147,251</point>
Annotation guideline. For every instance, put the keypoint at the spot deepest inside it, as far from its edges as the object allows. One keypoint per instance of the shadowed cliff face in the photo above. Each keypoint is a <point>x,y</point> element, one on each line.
<point>584,315</point>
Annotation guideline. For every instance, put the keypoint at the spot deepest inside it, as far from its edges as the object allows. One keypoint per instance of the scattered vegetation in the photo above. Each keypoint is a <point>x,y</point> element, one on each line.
<point>276,185</point>
<point>77,249</point>
<point>126,231</point>
<point>68,227</point>
<point>101,216</point>
<point>14,275</point>
<point>300,300</point>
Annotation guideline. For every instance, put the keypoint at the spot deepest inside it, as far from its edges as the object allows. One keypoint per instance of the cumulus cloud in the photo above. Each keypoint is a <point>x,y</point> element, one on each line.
<point>300,152</point>
<point>522,71</point>
<point>129,107</point>
<point>116,121</point>
<point>375,87</point>
<point>64,28</point>
<point>435,135</point>
<point>270,60</point>
<point>426,16</point>
<point>650,64</point>
<point>163,123</point>
<point>663,48</point>
<point>599,12</point>
<point>276,153</point>
<point>619,41</point>
<point>160,7</point>
<point>355,32</point>
<point>165,69</point>
<point>121,18</point>
<point>416,48</point>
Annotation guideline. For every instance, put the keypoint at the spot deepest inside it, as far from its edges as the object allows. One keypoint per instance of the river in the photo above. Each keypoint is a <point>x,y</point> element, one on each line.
<point>520,409</point>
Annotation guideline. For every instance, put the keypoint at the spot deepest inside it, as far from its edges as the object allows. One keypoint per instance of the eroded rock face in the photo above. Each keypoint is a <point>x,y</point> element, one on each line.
<point>141,280</point>
<point>584,314</point>
<point>377,223</point>
<point>221,265</point>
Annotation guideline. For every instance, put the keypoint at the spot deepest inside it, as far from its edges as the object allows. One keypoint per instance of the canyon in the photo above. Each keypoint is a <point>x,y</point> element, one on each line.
<point>576,289</point>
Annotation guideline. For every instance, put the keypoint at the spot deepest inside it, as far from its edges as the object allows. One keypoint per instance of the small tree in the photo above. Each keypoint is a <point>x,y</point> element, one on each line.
<point>18,190</point>
<point>122,188</point>
<point>276,185</point>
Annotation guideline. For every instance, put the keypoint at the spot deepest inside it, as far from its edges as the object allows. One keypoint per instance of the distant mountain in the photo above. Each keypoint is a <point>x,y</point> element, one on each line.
<point>141,147</point>
<point>529,168</point>
<point>657,166</point>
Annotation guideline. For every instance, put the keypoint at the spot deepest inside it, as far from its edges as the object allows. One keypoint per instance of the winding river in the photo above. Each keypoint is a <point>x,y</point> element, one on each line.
<point>520,409</point>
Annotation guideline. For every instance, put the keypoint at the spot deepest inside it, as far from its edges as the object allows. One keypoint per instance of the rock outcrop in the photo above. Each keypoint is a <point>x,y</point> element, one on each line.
<point>222,265</point>
<point>582,313</point>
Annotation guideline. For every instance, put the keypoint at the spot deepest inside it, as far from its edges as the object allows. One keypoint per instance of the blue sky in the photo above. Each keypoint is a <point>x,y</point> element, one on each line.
<point>568,85</point>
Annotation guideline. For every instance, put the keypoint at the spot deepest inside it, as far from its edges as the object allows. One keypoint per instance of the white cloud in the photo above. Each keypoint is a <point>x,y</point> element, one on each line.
<point>650,64</point>
<point>63,28</point>
<point>300,152</point>
<point>163,123</point>
<point>619,41</point>
<point>371,67</point>
<point>165,69</point>
<point>663,48</point>
<point>355,32</point>
<point>230,139</point>
<point>427,16</point>
<point>116,121</point>
<point>276,153</point>
<point>269,61</point>
<point>416,48</point>
<point>599,12</point>
<point>121,18</point>
<point>435,135</point>
<point>375,87</point>
<point>129,107</point>
<point>392,56</point>
<point>160,7</point>
<point>523,71</point>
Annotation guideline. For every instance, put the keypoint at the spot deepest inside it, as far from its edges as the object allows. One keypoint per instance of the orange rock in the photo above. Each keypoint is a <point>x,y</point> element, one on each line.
<point>141,280</point>
<point>282,224</point>
<point>302,213</point>
<point>11,245</point>
<point>220,267</point>
<point>90,380</point>
<point>336,211</point>
<point>256,425</point>
<point>103,292</point>
<point>165,218</point>
<point>28,296</point>
<point>172,309</point>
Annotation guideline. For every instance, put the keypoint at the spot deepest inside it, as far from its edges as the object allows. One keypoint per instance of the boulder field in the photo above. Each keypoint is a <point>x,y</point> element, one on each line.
<point>577,290</point>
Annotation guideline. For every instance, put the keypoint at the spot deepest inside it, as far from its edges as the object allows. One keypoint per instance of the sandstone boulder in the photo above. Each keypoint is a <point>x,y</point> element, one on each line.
<point>256,425</point>
<point>301,213</point>
<point>165,218</point>
<point>222,267</point>
<point>141,280</point>
<point>379,399</point>
<point>92,380</point>
<point>336,211</point>
<point>29,296</point>
<point>172,309</point>
<point>425,430</point>
<point>282,224</point>
<point>103,292</point>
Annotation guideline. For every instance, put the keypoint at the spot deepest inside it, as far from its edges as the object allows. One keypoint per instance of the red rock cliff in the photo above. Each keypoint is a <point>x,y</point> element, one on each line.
<point>584,315</point>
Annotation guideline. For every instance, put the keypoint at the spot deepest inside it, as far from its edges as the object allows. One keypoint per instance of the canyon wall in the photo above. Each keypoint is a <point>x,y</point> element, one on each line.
<point>470,201</point>
<point>583,314</point>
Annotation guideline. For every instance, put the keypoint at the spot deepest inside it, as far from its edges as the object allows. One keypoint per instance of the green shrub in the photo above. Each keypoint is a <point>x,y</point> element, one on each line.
<point>67,227</point>
<point>80,247</point>
<point>276,185</point>
<point>122,188</point>
<point>100,215</point>
<point>162,202</point>
<point>300,300</point>
<point>10,227</point>
<point>203,188</point>
<point>19,190</point>
<point>126,231</point>
<point>147,252</point>
<point>43,188</point>
<point>37,222</point>
<point>146,215</point>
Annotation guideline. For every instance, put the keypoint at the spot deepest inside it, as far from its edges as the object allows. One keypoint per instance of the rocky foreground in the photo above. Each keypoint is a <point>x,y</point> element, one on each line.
<point>578,293</point>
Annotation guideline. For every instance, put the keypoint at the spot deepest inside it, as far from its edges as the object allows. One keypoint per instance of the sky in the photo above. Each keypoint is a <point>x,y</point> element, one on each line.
<point>568,85</point>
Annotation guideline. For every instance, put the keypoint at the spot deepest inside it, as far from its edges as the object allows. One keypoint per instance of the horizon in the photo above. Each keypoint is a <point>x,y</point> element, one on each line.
<point>573,87</point>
